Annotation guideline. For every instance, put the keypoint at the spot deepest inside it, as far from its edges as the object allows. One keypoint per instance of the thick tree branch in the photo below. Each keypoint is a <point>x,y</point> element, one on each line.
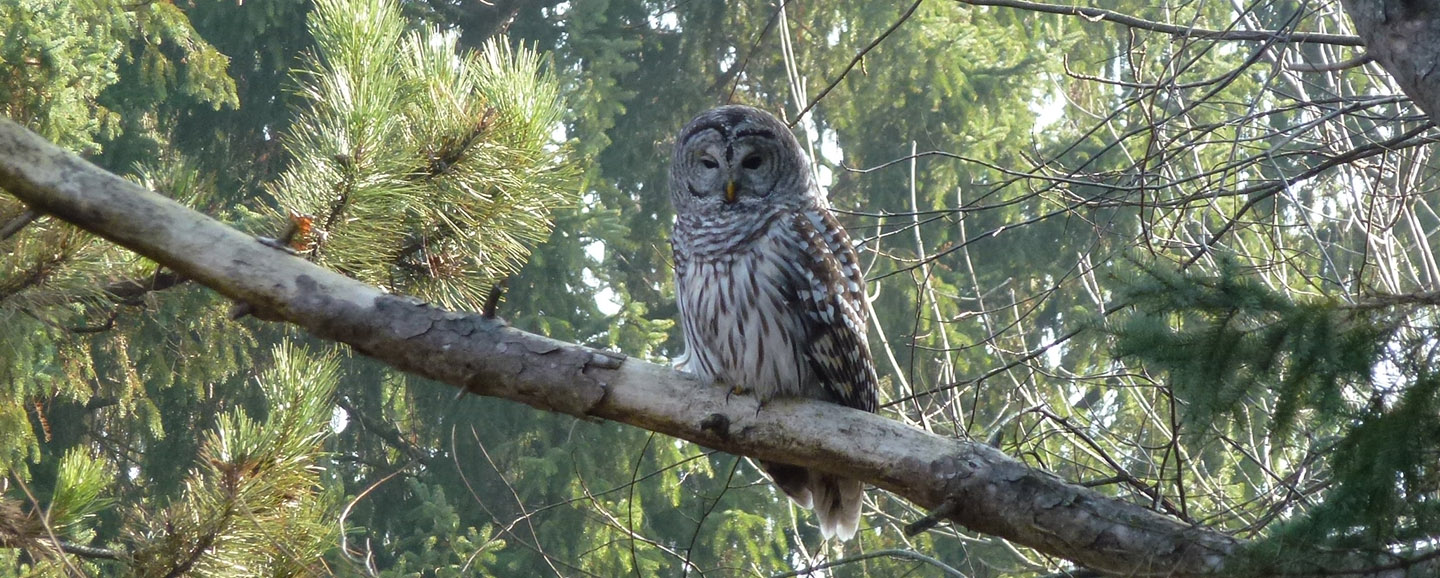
<point>991,492</point>
<point>1404,37</point>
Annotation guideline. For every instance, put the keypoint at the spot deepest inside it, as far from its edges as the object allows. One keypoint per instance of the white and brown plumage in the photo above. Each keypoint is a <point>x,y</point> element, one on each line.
<point>770,290</point>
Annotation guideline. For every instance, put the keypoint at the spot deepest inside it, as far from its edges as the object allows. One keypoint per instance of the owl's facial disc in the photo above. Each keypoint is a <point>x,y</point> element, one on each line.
<point>709,171</point>
<point>749,169</point>
<point>725,167</point>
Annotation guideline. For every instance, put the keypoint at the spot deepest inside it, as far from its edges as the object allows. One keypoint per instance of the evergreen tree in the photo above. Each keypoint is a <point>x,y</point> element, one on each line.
<point>468,155</point>
<point>1189,268</point>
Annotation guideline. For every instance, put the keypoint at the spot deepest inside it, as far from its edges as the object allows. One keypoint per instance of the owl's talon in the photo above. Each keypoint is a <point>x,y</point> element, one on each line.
<point>736,390</point>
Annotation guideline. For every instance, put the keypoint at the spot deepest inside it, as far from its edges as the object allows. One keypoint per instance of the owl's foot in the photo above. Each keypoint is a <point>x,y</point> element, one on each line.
<point>742,390</point>
<point>745,391</point>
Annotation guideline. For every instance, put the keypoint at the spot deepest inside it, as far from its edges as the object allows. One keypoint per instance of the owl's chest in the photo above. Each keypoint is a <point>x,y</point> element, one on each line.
<point>741,319</point>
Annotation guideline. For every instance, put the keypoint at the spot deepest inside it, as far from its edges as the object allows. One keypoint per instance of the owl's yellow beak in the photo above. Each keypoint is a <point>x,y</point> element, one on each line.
<point>730,191</point>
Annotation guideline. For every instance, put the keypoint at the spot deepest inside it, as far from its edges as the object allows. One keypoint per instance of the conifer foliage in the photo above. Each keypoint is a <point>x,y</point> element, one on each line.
<point>1179,253</point>
<point>1361,374</point>
<point>144,434</point>
<point>254,498</point>
<point>417,168</point>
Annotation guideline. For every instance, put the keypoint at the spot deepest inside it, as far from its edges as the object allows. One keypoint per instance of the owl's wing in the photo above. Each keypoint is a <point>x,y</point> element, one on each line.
<point>832,297</point>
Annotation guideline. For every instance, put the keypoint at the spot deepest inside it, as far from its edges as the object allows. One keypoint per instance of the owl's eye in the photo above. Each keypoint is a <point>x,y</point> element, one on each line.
<point>752,162</point>
<point>709,163</point>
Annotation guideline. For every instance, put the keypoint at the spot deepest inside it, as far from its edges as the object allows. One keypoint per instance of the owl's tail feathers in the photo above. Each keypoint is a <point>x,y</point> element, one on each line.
<point>835,500</point>
<point>837,505</point>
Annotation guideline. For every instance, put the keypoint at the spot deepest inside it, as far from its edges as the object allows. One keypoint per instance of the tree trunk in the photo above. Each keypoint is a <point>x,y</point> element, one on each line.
<point>1404,37</point>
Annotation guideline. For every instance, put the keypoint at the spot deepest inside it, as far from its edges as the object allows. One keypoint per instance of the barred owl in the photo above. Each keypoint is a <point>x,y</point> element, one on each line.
<point>770,290</point>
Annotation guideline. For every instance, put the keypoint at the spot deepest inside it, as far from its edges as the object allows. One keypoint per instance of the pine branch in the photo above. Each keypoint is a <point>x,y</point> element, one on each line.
<point>993,493</point>
<point>32,276</point>
<point>20,529</point>
<point>200,547</point>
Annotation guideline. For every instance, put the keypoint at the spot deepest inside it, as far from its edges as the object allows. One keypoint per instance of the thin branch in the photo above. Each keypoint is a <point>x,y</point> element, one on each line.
<point>525,514</point>
<point>888,553</point>
<point>1388,301</point>
<point>932,519</point>
<point>856,60</point>
<point>1077,573</point>
<point>84,551</point>
<point>384,431</point>
<point>367,563</point>
<point>492,300</point>
<point>1348,63</point>
<point>1103,15</point>
<point>1121,472</point>
<point>1262,191</point>
<point>18,223</point>
<point>129,291</point>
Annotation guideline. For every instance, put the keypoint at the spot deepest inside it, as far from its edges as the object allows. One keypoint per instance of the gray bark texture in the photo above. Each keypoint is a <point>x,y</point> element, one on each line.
<point>1404,37</point>
<point>963,482</point>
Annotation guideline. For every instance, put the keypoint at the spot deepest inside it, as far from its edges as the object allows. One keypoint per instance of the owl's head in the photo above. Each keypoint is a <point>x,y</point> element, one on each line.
<point>737,159</point>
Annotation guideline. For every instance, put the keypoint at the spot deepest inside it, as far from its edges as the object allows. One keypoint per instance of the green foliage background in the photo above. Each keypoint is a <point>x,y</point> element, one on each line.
<point>1185,272</point>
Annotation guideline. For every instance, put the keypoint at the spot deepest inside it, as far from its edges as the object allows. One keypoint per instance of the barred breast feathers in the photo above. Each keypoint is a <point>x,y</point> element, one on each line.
<point>737,300</point>
<point>795,286</point>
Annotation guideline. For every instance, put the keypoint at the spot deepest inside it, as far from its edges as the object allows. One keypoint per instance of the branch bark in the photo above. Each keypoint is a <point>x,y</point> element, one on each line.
<point>979,487</point>
<point>1404,37</point>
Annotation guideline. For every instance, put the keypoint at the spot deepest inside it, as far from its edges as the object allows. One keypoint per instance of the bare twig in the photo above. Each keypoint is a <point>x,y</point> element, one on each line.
<point>1103,15</point>
<point>18,223</point>
<point>887,553</point>
<point>856,60</point>
<point>945,511</point>
<point>492,299</point>
<point>1348,63</point>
